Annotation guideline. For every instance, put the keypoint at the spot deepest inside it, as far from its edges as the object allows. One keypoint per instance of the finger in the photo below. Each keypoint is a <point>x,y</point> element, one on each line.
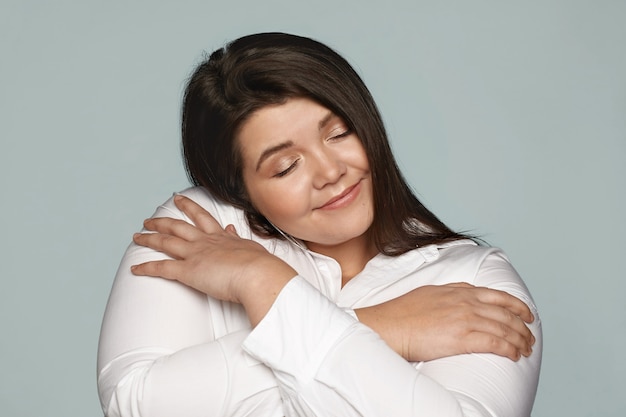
<point>161,269</point>
<point>513,331</point>
<point>172,246</point>
<point>506,300</point>
<point>231,229</point>
<point>173,227</point>
<point>507,317</point>
<point>478,342</point>
<point>198,215</point>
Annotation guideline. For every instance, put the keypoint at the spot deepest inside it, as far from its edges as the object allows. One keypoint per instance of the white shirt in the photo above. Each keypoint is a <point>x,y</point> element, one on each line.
<point>168,350</point>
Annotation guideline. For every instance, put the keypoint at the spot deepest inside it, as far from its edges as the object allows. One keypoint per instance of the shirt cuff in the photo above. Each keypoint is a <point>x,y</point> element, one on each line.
<point>298,331</point>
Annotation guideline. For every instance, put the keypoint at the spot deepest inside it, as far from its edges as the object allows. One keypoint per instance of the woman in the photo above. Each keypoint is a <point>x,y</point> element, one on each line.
<point>314,282</point>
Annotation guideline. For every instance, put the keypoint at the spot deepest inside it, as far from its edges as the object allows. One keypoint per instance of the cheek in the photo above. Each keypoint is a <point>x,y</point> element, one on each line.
<point>363,158</point>
<point>279,203</point>
<point>356,156</point>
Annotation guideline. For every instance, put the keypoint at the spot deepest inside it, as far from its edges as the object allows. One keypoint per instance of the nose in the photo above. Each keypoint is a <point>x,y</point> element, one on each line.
<point>329,167</point>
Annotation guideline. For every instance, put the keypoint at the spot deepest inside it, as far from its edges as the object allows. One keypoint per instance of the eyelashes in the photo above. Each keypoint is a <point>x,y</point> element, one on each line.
<point>341,135</point>
<point>288,170</point>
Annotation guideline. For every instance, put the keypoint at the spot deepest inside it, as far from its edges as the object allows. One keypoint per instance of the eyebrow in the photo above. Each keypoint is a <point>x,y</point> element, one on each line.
<point>271,151</point>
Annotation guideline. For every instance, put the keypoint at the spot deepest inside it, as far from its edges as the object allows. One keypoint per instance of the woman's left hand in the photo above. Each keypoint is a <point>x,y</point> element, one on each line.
<point>436,321</point>
<point>209,258</point>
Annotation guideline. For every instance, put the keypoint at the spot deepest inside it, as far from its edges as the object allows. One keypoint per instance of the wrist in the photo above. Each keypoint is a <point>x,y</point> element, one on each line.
<point>378,320</point>
<point>260,288</point>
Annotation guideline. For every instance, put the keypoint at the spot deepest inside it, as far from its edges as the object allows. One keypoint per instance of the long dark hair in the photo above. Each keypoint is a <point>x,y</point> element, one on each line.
<point>269,68</point>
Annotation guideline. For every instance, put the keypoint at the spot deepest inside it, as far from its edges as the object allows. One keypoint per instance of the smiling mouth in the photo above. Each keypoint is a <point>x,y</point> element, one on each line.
<point>343,199</point>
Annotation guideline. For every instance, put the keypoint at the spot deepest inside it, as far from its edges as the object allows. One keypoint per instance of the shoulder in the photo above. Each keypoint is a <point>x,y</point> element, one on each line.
<point>205,199</point>
<point>484,266</point>
<point>223,212</point>
<point>465,261</point>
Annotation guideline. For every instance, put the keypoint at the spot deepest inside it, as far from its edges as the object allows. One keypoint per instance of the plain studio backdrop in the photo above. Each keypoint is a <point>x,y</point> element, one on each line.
<point>508,119</point>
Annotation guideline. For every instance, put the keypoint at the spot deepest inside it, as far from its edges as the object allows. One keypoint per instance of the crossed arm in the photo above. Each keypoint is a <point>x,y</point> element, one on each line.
<point>474,319</point>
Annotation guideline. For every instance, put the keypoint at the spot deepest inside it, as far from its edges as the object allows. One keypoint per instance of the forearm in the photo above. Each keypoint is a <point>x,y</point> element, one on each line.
<point>165,347</point>
<point>212,379</point>
<point>436,321</point>
<point>327,363</point>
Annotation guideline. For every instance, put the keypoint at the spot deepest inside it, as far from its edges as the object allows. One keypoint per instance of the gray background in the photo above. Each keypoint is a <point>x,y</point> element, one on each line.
<point>508,119</point>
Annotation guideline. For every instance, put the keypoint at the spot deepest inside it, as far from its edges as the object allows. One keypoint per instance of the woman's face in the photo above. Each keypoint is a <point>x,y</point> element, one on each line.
<point>307,173</point>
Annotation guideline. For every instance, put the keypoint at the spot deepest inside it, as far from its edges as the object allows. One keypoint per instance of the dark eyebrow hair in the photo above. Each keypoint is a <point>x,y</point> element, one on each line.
<point>270,151</point>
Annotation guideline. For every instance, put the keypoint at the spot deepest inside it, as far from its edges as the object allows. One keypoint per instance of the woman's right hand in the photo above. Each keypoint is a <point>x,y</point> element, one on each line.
<point>432,322</point>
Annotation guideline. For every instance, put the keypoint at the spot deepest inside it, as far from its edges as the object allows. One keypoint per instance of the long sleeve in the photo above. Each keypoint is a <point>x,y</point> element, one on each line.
<point>492,385</point>
<point>326,363</point>
<point>329,364</point>
<point>158,356</point>
<point>168,350</point>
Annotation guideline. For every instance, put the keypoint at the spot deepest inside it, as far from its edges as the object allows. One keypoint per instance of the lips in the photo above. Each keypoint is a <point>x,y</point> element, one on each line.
<point>343,199</point>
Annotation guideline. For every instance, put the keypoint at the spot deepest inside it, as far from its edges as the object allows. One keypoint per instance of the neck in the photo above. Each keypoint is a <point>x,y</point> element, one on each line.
<point>352,255</point>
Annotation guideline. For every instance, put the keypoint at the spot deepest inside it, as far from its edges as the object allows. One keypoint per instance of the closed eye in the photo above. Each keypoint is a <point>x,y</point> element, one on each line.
<point>288,170</point>
<point>340,135</point>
